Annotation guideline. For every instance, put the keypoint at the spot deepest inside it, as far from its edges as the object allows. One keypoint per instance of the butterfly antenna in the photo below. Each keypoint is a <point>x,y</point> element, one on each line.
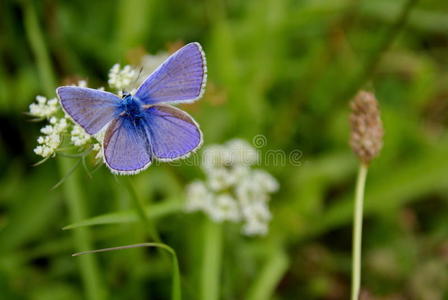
<point>125,93</point>
<point>138,76</point>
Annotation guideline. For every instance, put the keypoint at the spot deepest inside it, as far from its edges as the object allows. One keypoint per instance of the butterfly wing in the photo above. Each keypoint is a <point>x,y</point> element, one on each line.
<point>126,146</point>
<point>91,109</point>
<point>181,78</point>
<point>174,134</point>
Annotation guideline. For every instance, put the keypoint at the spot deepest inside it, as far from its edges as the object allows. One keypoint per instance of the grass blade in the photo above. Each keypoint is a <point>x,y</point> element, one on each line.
<point>175,287</point>
<point>129,216</point>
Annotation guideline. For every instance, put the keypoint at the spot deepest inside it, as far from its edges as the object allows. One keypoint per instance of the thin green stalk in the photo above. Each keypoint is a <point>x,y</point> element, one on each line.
<point>72,189</point>
<point>211,264</point>
<point>38,47</point>
<point>373,60</point>
<point>269,276</point>
<point>140,209</point>
<point>76,207</point>
<point>357,231</point>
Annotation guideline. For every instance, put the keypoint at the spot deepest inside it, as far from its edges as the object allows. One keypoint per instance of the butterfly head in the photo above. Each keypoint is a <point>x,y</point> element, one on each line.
<point>125,95</point>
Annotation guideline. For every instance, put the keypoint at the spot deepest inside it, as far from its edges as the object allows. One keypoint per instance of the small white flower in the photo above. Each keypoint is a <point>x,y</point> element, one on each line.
<point>198,197</point>
<point>50,141</point>
<point>47,144</point>
<point>235,153</point>
<point>249,191</point>
<point>242,152</point>
<point>48,129</point>
<point>265,180</point>
<point>239,173</point>
<point>257,210</point>
<point>220,179</point>
<point>44,108</point>
<point>215,157</point>
<point>224,208</point>
<point>82,83</point>
<point>78,136</point>
<point>121,79</point>
<point>255,227</point>
<point>60,125</point>
<point>98,148</point>
<point>233,192</point>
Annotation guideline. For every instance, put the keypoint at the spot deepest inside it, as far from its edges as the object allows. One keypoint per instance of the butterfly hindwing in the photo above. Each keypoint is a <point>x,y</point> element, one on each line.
<point>174,134</point>
<point>91,109</point>
<point>181,78</point>
<point>126,146</point>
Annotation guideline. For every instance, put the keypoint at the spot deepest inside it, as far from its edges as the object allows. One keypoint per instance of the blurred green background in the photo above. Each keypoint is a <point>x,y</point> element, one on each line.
<point>285,69</point>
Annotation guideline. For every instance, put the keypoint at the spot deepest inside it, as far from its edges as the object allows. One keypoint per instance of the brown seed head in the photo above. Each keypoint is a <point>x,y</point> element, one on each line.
<point>366,127</point>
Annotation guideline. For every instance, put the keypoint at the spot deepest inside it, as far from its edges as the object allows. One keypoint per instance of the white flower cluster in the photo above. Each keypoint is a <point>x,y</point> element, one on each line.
<point>44,108</point>
<point>59,124</point>
<point>51,138</point>
<point>121,79</point>
<point>233,191</point>
<point>98,148</point>
<point>78,136</point>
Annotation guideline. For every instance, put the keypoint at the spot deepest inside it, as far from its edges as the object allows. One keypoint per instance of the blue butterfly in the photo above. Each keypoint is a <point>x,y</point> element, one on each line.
<point>144,127</point>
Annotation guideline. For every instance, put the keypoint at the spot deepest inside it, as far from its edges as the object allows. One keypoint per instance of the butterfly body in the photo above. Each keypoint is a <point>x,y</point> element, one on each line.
<point>145,126</point>
<point>131,106</point>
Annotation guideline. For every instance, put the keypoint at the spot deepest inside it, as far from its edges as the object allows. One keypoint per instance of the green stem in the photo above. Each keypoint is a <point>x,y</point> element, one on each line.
<point>373,60</point>
<point>357,231</point>
<point>140,209</point>
<point>269,276</point>
<point>72,189</point>
<point>37,43</point>
<point>76,207</point>
<point>211,264</point>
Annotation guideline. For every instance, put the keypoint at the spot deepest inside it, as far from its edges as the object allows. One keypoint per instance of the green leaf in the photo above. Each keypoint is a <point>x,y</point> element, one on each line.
<point>269,276</point>
<point>155,211</point>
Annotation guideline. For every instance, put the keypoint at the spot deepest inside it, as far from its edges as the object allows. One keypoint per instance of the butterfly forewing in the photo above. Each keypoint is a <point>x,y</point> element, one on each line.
<point>181,78</point>
<point>91,109</point>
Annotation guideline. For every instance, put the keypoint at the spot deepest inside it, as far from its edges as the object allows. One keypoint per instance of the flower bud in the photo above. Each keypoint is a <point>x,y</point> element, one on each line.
<point>366,127</point>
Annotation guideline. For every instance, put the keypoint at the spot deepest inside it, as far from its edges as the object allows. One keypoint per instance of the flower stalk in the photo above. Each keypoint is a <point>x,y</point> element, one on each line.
<point>72,189</point>
<point>76,207</point>
<point>357,231</point>
<point>211,263</point>
<point>366,142</point>
<point>140,210</point>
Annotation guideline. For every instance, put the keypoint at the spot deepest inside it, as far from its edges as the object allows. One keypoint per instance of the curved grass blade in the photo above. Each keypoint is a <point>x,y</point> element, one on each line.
<point>86,169</point>
<point>269,276</point>
<point>175,286</point>
<point>41,161</point>
<point>153,211</point>
<point>70,172</point>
